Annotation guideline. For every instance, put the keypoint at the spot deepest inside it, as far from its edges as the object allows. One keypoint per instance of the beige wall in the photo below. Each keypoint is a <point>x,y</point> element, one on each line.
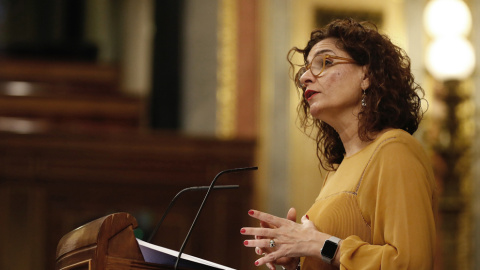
<point>123,31</point>
<point>199,53</point>
<point>475,6</point>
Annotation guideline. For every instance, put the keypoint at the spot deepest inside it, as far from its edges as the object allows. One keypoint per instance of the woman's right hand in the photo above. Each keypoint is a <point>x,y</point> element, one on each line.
<point>287,262</point>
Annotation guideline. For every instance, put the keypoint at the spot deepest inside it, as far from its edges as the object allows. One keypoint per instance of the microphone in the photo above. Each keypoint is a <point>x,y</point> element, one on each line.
<point>178,195</point>
<point>202,205</point>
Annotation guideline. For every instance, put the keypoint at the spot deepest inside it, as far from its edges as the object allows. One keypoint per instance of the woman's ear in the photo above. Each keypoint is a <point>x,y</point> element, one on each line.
<point>365,84</point>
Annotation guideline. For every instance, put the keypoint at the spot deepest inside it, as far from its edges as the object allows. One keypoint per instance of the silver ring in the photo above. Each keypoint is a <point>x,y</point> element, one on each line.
<point>272,243</point>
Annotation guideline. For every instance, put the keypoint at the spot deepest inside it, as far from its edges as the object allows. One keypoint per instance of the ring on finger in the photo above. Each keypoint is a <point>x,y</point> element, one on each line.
<point>272,243</point>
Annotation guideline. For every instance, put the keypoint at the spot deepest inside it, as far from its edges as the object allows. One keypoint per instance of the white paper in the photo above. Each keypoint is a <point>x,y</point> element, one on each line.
<point>160,255</point>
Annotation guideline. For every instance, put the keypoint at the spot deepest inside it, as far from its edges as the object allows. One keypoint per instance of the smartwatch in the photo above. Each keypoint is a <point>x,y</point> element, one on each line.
<point>329,249</point>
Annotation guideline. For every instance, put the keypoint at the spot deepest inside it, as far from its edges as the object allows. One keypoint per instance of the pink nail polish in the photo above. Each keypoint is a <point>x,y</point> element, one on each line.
<point>250,212</point>
<point>245,242</point>
<point>256,263</point>
<point>242,231</point>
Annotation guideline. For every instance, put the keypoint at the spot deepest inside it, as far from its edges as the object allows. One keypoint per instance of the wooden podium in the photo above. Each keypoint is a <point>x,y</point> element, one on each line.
<point>107,243</point>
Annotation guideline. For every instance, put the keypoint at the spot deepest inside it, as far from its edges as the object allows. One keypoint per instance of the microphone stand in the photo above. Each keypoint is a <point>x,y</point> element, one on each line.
<point>176,197</point>
<point>203,203</point>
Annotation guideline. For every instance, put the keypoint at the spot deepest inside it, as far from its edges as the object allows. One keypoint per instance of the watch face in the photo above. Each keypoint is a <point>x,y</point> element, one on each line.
<point>329,249</point>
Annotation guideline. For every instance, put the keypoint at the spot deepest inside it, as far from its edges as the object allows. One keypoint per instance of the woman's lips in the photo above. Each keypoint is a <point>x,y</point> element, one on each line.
<point>309,94</point>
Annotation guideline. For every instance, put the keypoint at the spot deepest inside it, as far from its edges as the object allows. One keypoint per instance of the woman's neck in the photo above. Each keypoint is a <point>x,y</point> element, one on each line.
<point>352,142</point>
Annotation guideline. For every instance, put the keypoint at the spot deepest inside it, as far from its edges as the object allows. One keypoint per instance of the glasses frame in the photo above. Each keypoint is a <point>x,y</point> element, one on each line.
<point>325,56</point>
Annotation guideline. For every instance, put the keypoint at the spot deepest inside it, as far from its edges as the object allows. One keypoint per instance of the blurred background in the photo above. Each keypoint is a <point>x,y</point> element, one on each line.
<point>116,105</point>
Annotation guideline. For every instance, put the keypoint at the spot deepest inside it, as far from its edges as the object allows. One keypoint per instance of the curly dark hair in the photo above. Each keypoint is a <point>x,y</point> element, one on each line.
<point>392,99</point>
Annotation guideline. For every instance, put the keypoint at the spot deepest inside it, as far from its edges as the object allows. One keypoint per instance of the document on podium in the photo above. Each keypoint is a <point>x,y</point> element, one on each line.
<point>160,255</point>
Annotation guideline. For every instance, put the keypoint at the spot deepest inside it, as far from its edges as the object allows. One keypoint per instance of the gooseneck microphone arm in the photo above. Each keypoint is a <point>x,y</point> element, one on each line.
<point>203,203</point>
<point>176,197</point>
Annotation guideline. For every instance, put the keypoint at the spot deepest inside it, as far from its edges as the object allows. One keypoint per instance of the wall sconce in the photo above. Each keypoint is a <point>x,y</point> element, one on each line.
<point>450,56</point>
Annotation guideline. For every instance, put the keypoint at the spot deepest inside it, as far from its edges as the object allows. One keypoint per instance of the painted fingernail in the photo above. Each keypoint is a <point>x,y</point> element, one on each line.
<point>245,242</point>
<point>256,263</point>
<point>250,212</point>
<point>242,231</point>
<point>307,217</point>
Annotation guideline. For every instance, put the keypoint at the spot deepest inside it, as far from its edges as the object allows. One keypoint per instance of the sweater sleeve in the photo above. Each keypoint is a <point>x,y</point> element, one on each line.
<point>397,199</point>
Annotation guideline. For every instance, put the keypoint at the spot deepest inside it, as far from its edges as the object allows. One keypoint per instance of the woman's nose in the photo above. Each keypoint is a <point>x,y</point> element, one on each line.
<point>306,78</point>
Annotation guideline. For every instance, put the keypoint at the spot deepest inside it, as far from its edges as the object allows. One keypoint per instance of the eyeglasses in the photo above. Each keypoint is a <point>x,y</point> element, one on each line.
<point>319,62</point>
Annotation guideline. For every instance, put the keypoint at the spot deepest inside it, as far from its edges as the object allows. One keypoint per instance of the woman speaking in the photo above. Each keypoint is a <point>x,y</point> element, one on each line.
<point>377,206</point>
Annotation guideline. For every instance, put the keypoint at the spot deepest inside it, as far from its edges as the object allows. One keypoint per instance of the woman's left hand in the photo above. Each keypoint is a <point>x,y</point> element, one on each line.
<point>284,238</point>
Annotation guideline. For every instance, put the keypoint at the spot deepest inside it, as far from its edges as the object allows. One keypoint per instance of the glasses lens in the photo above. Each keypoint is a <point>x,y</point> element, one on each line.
<point>317,65</point>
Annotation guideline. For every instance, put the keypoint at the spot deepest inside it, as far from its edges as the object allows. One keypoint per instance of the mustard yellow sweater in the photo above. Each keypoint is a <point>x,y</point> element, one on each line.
<point>382,203</point>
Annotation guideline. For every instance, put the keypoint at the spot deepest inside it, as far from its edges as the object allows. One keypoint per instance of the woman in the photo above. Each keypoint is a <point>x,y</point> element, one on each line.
<point>376,208</point>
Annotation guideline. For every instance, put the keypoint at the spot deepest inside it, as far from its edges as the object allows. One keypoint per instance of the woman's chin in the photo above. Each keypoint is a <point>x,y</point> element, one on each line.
<point>316,111</point>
